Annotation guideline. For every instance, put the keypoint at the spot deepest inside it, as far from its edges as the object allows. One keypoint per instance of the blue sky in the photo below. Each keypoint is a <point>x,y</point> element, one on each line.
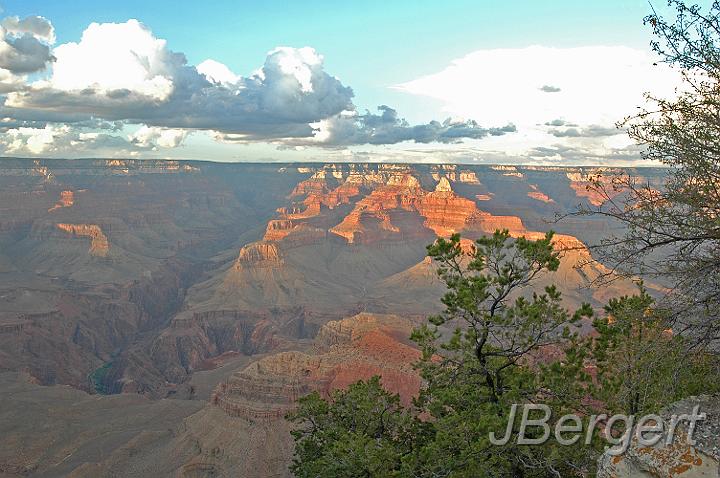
<point>373,47</point>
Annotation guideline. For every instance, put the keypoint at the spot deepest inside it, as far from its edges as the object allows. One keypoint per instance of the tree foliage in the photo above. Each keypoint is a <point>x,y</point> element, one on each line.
<point>363,431</point>
<point>490,348</point>
<point>642,365</point>
<point>672,232</point>
<point>498,343</point>
<point>487,350</point>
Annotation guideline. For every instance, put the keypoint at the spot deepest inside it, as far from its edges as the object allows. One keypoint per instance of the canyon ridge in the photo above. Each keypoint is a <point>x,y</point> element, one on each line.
<point>160,318</point>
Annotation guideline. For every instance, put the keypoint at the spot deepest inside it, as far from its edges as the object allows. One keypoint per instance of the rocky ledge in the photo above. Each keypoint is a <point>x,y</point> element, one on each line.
<point>679,459</point>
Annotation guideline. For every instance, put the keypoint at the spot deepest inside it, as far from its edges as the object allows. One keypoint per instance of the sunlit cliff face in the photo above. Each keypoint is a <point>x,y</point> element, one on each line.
<point>334,239</point>
<point>67,199</point>
<point>355,348</point>
<point>390,203</point>
<point>99,245</point>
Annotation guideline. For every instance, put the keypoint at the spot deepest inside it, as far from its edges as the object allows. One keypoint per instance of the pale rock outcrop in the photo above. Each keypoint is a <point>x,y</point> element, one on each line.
<point>679,459</point>
<point>468,177</point>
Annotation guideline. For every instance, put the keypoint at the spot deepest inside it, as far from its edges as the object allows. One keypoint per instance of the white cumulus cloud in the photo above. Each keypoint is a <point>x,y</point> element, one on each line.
<point>121,72</point>
<point>152,137</point>
<point>217,72</point>
<point>565,102</point>
<point>115,56</point>
<point>534,85</point>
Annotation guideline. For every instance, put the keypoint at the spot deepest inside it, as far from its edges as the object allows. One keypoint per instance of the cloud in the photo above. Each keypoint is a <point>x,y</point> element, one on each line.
<point>592,131</point>
<point>550,89</point>
<point>387,128</point>
<point>24,48</point>
<point>601,85</point>
<point>556,122</point>
<point>39,27</point>
<point>54,139</point>
<point>152,137</point>
<point>122,72</point>
<point>10,82</point>
<point>563,154</point>
<point>218,73</point>
<point>552,155</point>
<point>77,141</point>
<point>25,54</point>
<point>112,58</point>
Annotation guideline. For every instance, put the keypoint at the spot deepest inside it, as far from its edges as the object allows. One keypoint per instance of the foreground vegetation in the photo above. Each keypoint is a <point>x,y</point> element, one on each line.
<point>496,344</point>
<point>500,341</point>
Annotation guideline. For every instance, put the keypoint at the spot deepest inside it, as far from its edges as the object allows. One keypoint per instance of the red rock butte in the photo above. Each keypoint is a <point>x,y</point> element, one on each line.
<point>99,245</point>
<point>345,351</point>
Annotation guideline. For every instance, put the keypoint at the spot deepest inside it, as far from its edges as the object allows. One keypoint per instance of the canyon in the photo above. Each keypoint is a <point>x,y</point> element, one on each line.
<point>161,317</point>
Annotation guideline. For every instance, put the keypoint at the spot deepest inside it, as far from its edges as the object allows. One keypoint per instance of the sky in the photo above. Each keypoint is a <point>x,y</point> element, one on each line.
<point>532,82</point>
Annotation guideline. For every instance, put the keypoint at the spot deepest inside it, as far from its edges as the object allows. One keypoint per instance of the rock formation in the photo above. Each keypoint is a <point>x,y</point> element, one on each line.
<point>679,458</point>
<point>301,259</point>
<point>99,245</point>
<point>67,199</point>
<point>585,184</point>
<point>387,212</point>
<point>348,350</point>
<point>259,254</point>
<point>167,278</point>
<point>539,195</point>
<point>469,177</point>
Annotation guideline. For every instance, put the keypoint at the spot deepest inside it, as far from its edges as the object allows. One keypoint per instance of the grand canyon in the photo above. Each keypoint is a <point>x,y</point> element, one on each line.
<point>160,318</point>
<point>359,239</point>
